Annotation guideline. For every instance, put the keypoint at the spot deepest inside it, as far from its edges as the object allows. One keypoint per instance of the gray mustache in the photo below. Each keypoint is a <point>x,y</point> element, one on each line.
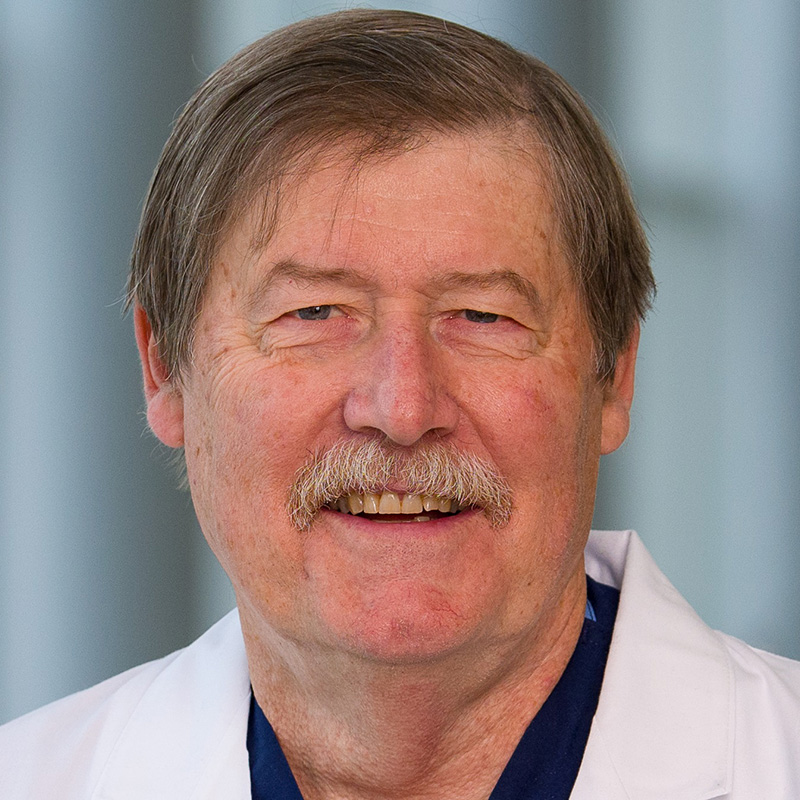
<point>361,466</point>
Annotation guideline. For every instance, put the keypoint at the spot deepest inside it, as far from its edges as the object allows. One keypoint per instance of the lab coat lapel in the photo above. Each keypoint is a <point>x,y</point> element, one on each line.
<point>664,726</point>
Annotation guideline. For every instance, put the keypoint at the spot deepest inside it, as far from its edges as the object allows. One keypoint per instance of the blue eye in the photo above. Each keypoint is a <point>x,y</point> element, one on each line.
<point>314,312</point>
<point>480,316</point>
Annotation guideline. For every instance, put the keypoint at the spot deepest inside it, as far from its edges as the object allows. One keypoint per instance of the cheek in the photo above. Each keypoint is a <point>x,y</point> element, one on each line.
<point>247,433</point>
<point>543,431</point>
<point>541,419</point>
<point>236,456</point>
<point>239,472</point>
<point>252,420</point>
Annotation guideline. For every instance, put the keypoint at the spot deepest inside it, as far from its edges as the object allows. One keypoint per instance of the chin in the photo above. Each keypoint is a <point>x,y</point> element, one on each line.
<point>401,623</point>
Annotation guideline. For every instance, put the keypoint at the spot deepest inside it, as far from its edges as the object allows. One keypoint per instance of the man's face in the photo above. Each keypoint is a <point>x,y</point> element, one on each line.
<point>424,301</point>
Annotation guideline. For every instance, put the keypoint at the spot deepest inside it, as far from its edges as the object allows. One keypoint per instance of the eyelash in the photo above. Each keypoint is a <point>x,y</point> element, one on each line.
<point>322,312</point>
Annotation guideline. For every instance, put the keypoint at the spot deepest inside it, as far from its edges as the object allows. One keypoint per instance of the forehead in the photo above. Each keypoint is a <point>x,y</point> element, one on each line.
<point>467,202</point>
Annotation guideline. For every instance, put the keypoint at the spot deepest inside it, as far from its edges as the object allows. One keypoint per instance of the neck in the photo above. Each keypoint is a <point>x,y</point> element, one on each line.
<point>353,728</point>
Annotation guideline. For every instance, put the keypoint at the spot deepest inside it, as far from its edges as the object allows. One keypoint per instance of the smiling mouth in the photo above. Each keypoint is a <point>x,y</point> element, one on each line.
<point>394,507</point>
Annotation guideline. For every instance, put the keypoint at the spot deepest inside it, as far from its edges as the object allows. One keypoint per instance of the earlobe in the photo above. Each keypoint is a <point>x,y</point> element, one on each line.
<point>618,397</point>
<point>164,399</point>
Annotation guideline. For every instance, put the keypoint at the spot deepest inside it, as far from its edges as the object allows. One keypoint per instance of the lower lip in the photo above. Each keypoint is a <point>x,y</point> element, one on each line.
<point>431,527</point>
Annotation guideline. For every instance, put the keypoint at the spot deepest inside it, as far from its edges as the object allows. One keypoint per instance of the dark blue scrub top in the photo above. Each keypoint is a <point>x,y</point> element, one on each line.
<point>544,765</point>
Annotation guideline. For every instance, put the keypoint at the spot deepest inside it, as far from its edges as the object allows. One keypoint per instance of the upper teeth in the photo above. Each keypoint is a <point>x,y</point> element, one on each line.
<point>393,503</point>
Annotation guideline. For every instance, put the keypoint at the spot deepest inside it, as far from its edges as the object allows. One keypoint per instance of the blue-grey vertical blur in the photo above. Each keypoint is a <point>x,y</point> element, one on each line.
<point>101,562</point>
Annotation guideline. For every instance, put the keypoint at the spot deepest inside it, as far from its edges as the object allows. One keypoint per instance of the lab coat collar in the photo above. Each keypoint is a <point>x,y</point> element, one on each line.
<point>199,751</point>
<point>664,725</point>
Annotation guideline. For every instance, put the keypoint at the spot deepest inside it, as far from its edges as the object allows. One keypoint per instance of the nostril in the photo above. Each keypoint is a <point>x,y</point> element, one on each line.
<point>401,413</point>
<point>401,393</point>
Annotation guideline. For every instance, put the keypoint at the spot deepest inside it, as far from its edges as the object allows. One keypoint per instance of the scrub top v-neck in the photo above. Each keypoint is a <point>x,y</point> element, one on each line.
<point>545,763</point>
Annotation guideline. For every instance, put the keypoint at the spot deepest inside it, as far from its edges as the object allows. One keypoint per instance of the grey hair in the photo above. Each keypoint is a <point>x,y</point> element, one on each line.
<point>370,465</point>
<point>379,82</point>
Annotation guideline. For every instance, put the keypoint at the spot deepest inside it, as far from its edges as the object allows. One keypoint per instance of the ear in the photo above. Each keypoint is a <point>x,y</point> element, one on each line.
<point>618,397</point>
<point>164,399</point>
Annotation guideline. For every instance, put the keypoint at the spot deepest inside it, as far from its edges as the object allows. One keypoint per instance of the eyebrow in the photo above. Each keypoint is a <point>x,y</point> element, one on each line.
<point>288,268</point>
<point>496,279</point>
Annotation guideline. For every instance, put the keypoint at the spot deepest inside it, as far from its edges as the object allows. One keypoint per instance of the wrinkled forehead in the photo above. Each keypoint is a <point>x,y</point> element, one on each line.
<point>341,172</point>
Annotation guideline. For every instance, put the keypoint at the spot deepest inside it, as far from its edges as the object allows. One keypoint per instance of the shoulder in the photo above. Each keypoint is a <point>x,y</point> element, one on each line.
<point>651,605</point>
<point>754,665</point>
<point>67,748</point>
<point>683,705</point>
<point>766,689</point>
<point>46,745</point>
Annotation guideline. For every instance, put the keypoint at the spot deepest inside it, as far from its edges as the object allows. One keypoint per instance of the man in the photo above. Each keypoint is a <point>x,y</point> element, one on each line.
<point>387,290</point>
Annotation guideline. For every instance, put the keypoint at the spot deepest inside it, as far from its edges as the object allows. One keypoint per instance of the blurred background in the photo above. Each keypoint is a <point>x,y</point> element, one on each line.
<point>101,562</point>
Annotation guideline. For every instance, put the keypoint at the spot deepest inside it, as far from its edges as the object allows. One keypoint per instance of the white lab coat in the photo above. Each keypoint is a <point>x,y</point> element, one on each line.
<point>684,713</point>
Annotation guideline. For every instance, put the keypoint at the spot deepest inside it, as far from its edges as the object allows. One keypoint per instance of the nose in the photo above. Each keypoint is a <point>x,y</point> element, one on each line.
<point>401,390</point>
